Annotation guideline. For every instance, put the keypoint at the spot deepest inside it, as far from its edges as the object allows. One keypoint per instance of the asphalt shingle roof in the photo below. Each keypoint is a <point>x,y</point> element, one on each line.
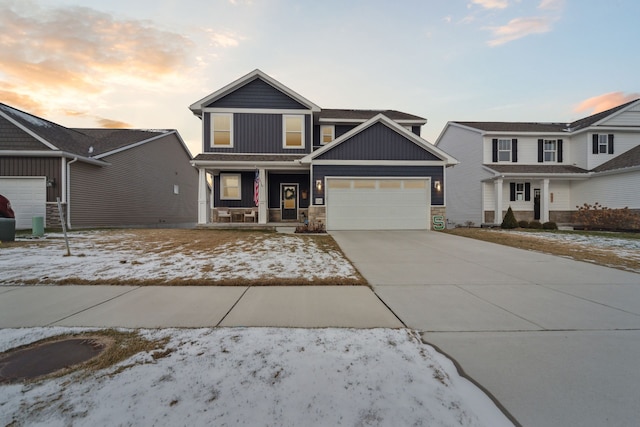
<point>627,159</point>
<point>541,169</point>
<point>364,115</point>
<point>230,157</point>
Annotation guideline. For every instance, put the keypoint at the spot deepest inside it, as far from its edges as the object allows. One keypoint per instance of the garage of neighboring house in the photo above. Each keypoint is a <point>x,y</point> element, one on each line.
<point>28,197</point>
<point>374,203</point>
<point>378,176</point>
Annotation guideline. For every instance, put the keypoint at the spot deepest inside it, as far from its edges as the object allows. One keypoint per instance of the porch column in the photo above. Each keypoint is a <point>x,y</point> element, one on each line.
<point>202,196</point>
<point>497,195</point>
<point>544,201</point>
<point>263,212</point>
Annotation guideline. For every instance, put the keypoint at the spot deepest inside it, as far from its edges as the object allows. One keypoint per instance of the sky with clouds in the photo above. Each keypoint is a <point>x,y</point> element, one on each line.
<point>141,63</point>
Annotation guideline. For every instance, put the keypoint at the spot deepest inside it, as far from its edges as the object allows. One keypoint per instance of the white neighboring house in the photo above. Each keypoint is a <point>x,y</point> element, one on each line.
<point>542,170</point>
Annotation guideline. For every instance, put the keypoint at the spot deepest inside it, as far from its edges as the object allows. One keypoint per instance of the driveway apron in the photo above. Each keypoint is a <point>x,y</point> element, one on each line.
<point>556,341</point>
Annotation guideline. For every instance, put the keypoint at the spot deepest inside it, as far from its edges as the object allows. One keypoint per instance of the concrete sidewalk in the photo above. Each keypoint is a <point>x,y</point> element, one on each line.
<point>556,341</point>
<point>193,306</point>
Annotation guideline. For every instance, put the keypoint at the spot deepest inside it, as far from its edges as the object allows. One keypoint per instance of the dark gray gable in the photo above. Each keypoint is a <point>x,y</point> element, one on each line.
<point>257,94</point>
<point>14,138</point>
<point>377,142</point>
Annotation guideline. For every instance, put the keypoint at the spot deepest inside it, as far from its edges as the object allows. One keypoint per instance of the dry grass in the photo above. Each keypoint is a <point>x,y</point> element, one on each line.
<point>579,252</point>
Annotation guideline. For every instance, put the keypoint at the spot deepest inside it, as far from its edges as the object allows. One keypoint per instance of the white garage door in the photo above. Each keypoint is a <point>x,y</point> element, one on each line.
<point>378,203</point>
<point>28,197</point>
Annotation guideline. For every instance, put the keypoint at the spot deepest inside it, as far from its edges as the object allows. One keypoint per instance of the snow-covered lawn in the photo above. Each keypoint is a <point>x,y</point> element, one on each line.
<point>120,256</point>
<point>257,377</point>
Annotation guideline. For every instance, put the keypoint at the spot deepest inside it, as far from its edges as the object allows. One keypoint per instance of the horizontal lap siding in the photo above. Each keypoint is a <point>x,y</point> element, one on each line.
<point>435,172</point>
<point>136,188</point>
<point>35,166</point>
<point>14,138</point>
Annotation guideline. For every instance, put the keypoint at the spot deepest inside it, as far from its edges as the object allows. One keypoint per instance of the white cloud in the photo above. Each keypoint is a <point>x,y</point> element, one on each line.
<point>605,101</point>
<point>551,4</point>
<point>518,28</point>
<point>492,4</point>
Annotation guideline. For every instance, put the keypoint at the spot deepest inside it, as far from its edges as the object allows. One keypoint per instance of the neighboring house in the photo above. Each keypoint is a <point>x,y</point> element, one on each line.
<point>542,170</point>
<point>268,148</point>
<point>103,177</point>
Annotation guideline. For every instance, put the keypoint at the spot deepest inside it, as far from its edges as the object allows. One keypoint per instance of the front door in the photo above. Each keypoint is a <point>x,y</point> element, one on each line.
<point>289,201</point>
<point>536,203</point>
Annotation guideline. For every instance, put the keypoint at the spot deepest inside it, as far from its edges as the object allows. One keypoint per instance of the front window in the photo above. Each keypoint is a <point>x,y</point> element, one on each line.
<point>230,186</point>
<point>327,134</point>
<point>603,143</point>
<point>221,130</point>
<point>504,150</point>
<point>550,147</point>
<point>293,129</point>
<point>519,191</point>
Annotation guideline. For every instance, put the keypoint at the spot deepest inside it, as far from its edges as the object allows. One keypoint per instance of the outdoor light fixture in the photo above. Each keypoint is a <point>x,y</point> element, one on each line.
<point>319,184</point>
<point>437,185</point>
<point>51,182</point>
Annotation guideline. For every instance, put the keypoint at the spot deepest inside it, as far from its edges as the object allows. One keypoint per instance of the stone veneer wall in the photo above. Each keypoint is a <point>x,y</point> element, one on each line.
<point>53,216</point>
<point>317,214</point>
<point>438,210</point>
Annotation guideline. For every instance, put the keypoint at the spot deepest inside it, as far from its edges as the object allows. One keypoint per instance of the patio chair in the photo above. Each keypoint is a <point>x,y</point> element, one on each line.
<point>250,215</point>
<point>224,213</point>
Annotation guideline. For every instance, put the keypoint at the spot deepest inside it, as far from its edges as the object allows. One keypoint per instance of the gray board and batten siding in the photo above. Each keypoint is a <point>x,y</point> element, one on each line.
<point>247,187</point>
<point>257,94</point>
<point>49,167</point>
<point>136,188</point>
<point>257,133</point>
<point>378,142</point>
<point>435,172</point>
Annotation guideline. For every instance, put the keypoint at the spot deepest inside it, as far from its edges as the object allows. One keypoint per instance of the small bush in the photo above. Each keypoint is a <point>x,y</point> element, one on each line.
<point>314,227</point>
<point>509,220</point>
<point>550,225</point>
<point>536,225</point>
<point>523,224</point>
<point>598,217</point>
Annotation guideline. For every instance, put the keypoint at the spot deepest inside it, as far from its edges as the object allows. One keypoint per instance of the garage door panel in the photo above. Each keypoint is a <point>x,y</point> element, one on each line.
<point>378,204</point>
<point>28,197</point>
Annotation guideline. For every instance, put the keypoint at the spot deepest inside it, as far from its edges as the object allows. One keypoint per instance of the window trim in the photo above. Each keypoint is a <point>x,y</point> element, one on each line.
<point>213,130</point>
<point>509,150</point>
<point>222,186</point>
<point>302,131</point>
<point>333,133</point>
<point>554,151</point>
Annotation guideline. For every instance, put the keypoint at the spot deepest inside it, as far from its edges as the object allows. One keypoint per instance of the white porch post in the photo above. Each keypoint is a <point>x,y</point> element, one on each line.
<point>544,201</point>
<point>497,219</point>
<point>263,213</point>
<point>202,196</point>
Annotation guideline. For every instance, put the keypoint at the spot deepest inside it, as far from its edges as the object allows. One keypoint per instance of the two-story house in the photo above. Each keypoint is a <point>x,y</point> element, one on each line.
<point>267,148</point>
<point>542,170</point>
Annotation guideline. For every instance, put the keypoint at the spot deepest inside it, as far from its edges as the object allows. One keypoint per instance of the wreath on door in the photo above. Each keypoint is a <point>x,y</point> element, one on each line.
<point>289,194</point>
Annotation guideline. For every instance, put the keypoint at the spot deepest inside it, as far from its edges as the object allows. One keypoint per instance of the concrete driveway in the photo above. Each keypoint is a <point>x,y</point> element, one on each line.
<point>556,341</point>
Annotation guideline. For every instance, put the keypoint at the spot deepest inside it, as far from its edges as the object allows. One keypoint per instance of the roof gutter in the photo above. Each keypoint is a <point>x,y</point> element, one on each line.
<point>49,153</point>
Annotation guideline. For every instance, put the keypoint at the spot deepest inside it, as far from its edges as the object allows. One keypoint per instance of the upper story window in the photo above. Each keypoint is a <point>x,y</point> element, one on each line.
<point>550,150</point>
<point>327,134</point>
<point>550,147</point>
<point>602,144</point>
<point>221,130</point>
<point>504,150</point>
<point>230,184</point>
<point>293,131</point>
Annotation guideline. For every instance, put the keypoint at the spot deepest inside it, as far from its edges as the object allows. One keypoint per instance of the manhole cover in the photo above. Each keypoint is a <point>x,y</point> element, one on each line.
<point>42,359</point>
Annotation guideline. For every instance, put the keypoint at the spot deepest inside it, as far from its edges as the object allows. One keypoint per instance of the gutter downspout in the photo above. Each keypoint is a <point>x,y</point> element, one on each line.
<point>75,159</point>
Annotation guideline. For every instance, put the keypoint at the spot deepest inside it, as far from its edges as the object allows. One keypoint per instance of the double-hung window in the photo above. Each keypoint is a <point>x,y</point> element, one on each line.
<point>603,143</point>
<point>222,130</point>
<point>550,148</point>
<point>504,150</point>
<point>293,131</point>
<point>230,185</point>
<point>327,134</point>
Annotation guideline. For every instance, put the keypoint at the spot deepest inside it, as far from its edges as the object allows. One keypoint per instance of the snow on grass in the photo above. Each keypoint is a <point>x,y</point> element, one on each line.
<point>624,248</point>
<point>107,256</point>
<point>258,377</point>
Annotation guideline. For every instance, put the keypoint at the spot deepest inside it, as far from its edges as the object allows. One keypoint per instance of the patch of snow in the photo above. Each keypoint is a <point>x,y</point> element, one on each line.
<point>26,117</point>
<point>259,376</point>
<point>270,257</point>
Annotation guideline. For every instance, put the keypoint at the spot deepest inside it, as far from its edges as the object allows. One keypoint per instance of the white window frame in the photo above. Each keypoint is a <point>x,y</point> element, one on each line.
<point>603,143</point>
<point>504,150</point>
<point>546,152</point>
<point>212,130</point>
<point>520,190</point>
<point>222,185</point>
<point>284,131</point>
<point>332,133</point>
